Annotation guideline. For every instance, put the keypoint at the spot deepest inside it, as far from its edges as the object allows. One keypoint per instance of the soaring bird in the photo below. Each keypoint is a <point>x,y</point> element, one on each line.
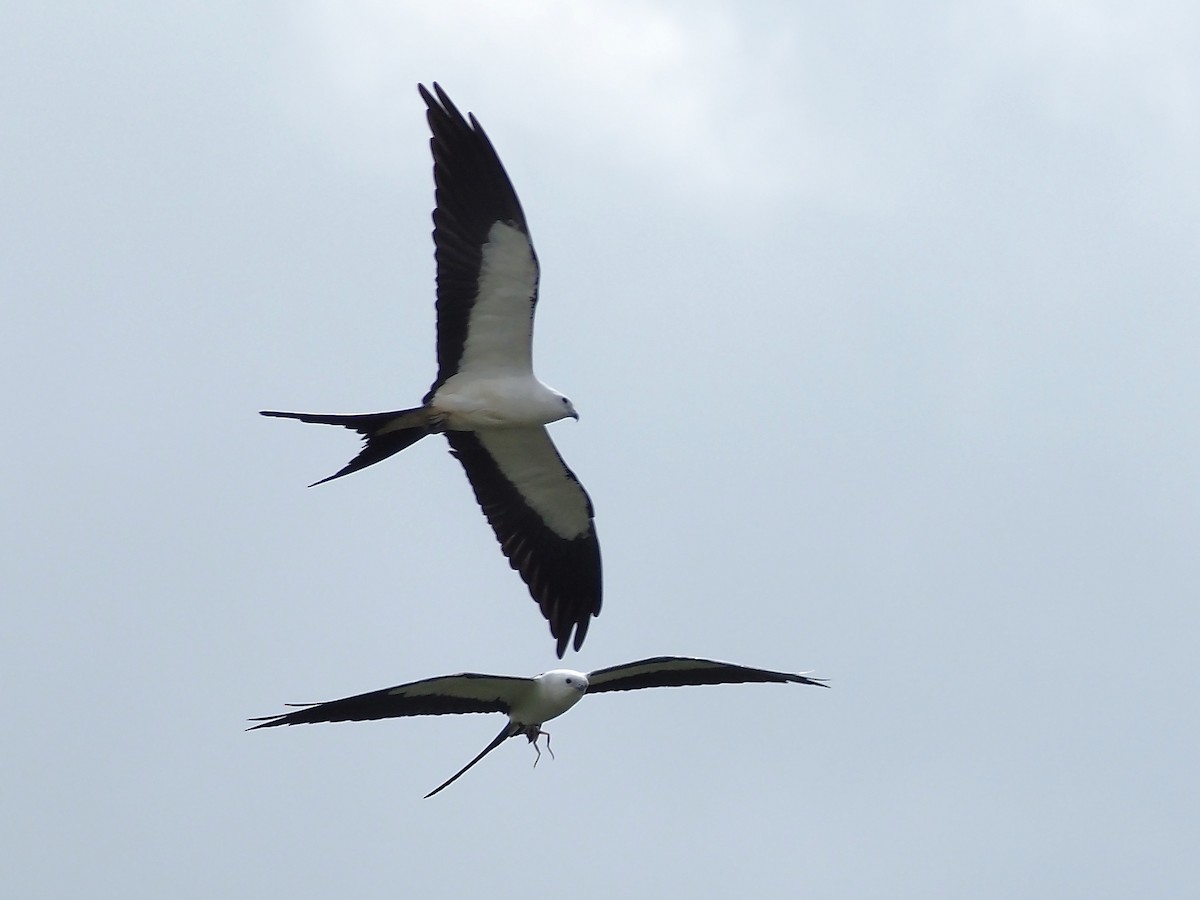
<point>528,702</point>
<point>486,399</point>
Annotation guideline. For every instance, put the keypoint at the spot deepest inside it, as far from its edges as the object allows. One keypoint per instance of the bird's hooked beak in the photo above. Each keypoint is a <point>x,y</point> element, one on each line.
<point>574,415</point>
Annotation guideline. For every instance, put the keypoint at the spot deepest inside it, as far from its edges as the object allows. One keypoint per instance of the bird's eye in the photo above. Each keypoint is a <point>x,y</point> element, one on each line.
<point>569,681</point>
<point>566,402</point>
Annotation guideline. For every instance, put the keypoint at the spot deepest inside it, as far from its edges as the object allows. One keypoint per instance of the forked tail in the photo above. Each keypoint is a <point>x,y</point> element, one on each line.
<point>512,729</point>
<point>386,433</point>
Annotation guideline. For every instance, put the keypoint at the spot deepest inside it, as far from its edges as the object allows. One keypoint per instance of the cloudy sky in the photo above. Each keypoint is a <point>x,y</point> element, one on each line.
<point>883,323</point>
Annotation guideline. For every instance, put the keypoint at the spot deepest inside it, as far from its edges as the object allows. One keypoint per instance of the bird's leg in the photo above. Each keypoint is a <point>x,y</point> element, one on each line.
<point>533,736</point>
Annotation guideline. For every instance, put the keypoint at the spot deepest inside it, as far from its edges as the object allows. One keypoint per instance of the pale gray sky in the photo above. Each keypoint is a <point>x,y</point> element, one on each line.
<point>883,325</point>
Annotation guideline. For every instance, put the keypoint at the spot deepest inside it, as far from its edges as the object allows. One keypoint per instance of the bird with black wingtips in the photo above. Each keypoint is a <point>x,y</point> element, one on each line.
<point>486,399</point>
<point>528,702</point>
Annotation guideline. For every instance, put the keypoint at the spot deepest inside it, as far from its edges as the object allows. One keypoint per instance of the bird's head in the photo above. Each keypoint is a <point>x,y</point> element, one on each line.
<point>568,408</point>
<point>566,680</point>
<point>566,686</point>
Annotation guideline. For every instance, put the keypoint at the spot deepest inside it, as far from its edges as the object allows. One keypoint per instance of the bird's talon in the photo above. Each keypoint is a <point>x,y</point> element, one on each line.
<point>533,740</point>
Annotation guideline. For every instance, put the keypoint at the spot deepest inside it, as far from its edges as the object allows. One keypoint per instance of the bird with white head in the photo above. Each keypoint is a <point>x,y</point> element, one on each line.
<point>528,702</point>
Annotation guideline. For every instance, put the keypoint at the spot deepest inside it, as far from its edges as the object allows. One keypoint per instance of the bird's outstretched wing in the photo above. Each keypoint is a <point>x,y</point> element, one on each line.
<point>448,694</point>
<point>487,271</point>
<point>682,671</point>
<point>542,517</point>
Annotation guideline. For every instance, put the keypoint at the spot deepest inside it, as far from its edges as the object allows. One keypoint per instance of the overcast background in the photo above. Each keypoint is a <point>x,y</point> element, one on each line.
<point>883,324</point>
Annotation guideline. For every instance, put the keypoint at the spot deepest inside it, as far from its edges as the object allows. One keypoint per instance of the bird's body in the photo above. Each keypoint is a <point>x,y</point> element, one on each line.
<point>467,403</point>
<point>528,702</point>
<point>486,398</point>
<point>549,695</point>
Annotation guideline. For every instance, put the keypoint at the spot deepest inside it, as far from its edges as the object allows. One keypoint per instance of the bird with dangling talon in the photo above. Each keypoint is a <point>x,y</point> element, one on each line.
<point>528,702</point>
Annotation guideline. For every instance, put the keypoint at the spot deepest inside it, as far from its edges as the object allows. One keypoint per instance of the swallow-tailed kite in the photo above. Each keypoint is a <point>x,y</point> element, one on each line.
<point>486,399</point>
<point>529,702</point>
